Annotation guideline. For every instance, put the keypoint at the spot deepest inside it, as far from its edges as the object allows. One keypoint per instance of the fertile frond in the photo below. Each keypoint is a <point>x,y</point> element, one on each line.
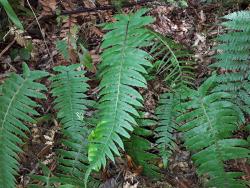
<point>122,69</point>
<point>166,125</point>
<point>209,119</point>
<point>16,107</point>
<point>69,87</point>
<point>234,59</point>
<point>172,60</point>
<point>138,147</point>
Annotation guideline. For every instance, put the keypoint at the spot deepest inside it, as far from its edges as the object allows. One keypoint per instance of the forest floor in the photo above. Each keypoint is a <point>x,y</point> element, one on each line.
<point>195,27</point>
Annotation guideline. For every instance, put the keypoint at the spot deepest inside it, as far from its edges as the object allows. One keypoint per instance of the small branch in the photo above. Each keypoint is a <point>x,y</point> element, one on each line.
<point>7,47</point>
<point>111,7</point>
<point>40,28</point>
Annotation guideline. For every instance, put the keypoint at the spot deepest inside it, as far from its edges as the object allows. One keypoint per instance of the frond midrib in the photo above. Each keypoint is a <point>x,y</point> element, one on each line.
<point>5,116</point>
<point>80,149</point>
<point>11,103</point>
<point>72,115</point>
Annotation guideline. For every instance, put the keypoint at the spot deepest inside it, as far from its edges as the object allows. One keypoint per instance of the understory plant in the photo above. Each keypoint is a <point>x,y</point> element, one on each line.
<point>207,115</point>
<point>17,111</point>
<point>208,119</point>
<point>121,71</point>
<point>233,60</point>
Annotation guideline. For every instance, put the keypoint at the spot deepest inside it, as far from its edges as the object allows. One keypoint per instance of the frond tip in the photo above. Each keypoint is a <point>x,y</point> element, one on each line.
<point>16,107</point>
<point>122,69</point>
<point>209,119</point>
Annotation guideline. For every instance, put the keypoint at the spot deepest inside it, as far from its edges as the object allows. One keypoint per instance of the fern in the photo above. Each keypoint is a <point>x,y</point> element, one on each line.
<point>16,107</point>
<point>172,61</point>
<point>121,70</point>
<point>48,179</point>
<point>62,47</point>
<point>139,146</point>
<point>166,125</point>
<point>209,119</point>
<point>176,65</point>
<point>234,59</point>
<point>69,87</point>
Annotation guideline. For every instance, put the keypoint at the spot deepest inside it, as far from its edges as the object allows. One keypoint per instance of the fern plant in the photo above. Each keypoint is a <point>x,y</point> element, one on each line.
<point>17,107</point>
<point>122,69</point>
<point>176,65</point>
<point>233,59</point>
<point>209,119</point>
<point>69,86</point>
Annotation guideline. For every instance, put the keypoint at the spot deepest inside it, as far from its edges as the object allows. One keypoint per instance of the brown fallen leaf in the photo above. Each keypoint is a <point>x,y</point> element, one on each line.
<point>49,6</point>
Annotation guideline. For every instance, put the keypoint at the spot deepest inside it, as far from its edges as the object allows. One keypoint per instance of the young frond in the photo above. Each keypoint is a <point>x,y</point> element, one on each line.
<point>166,115</point>
<point>122,70</point>
<point>209,119</point>
<point>234,59</point>
<point>69,87</point>
<point>16,107</point>
<point>172,60</point>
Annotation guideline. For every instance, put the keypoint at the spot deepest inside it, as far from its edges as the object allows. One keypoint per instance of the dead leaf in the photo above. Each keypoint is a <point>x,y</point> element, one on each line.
<point>49,6</point>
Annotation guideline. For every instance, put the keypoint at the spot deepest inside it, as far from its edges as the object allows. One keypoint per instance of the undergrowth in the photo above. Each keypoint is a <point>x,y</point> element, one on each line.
<point>208,115</point>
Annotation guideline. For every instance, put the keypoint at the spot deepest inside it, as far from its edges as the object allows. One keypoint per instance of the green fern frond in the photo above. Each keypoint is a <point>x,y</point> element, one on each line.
<point>234,59</point>
<point>122,69</point>
<point>69,86</point>
<point>177,66</point>
<point>62,47</point>
<point>209,119</point>
<point>16,107</point>
<point>48,179</point>
<point>172,61</point>
<point>166,115</point>
<point>139,146</point>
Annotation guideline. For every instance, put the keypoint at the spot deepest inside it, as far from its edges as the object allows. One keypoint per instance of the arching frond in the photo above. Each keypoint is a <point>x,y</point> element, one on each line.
<point>122,70</point>
<point>172,61</point>
<point>69,86</point>
<point>209,119</point>
<point>233,59</point>
<point>16,110</point>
